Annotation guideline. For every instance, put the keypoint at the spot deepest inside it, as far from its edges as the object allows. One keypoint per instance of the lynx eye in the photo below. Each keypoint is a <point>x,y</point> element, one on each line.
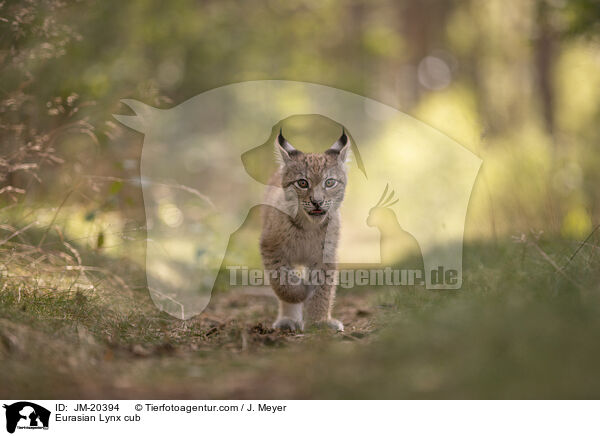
<point>302,183</point>
<point>330,183</point>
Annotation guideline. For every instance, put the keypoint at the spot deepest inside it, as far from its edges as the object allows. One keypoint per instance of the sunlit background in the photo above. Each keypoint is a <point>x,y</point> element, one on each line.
<point>515,82</point>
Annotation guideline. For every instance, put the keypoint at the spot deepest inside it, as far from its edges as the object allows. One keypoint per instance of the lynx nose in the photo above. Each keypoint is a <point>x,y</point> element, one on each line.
<point>316,202</point>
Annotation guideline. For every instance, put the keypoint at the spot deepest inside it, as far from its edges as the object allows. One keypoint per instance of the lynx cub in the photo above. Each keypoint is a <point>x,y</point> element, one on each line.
<point>311,186</point>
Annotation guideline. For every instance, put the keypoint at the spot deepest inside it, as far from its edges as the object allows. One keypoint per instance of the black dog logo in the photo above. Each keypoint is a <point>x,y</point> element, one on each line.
<point>26,415</point>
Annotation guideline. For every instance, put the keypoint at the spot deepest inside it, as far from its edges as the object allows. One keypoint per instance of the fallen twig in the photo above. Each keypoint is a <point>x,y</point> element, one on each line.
<point>581,245</point>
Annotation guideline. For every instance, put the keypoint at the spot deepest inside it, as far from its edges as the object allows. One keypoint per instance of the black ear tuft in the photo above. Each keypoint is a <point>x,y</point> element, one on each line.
<point>340,144</point>
<point>285,148</point>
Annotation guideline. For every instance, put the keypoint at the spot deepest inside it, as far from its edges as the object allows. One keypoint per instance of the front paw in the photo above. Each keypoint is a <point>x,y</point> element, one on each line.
<point>331,323</point>
<point>288,324</point>
<point>335,324</point>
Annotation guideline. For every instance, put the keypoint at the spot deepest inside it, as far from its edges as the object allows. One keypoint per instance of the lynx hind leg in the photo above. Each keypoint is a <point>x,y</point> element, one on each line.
<point>289,317</point>
<point>319,306</point>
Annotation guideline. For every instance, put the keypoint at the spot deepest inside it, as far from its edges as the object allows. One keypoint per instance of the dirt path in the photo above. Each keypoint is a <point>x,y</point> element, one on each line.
<point>254,310</point>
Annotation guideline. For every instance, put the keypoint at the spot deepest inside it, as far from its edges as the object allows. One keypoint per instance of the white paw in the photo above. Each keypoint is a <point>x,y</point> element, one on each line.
<point>288,324</point>
<point>335,324</point>
<point>331,323</point>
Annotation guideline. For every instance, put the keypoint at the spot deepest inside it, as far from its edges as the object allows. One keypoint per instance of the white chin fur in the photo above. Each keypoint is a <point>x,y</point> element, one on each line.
<point>315,218</point>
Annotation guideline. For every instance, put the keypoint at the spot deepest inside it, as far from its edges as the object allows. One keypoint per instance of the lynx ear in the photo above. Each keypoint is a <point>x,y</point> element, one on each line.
<point>284,151</point>
<point>341,147</point>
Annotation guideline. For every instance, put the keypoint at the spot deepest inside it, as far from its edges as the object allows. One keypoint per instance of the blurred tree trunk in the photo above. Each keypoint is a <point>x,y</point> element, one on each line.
<point>422,23</point>
<point>545,48</point>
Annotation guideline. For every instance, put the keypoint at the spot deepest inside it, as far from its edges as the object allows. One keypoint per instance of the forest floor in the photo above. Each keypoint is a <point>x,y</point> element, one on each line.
<point>526,324</point>
<point>76,346</point>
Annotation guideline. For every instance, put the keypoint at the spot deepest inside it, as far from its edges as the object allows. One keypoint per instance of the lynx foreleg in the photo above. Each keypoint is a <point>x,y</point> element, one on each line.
<point>319,305</point>
<point>289,317</point>
<point>291,292</point>
<point>288,284</point>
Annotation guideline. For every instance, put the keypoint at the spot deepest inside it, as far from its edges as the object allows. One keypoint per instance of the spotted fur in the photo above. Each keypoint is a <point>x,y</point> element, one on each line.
<point>309,235</point>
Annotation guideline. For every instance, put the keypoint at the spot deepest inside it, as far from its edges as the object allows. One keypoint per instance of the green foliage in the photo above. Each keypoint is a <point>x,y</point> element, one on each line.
<point>583,17</point>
